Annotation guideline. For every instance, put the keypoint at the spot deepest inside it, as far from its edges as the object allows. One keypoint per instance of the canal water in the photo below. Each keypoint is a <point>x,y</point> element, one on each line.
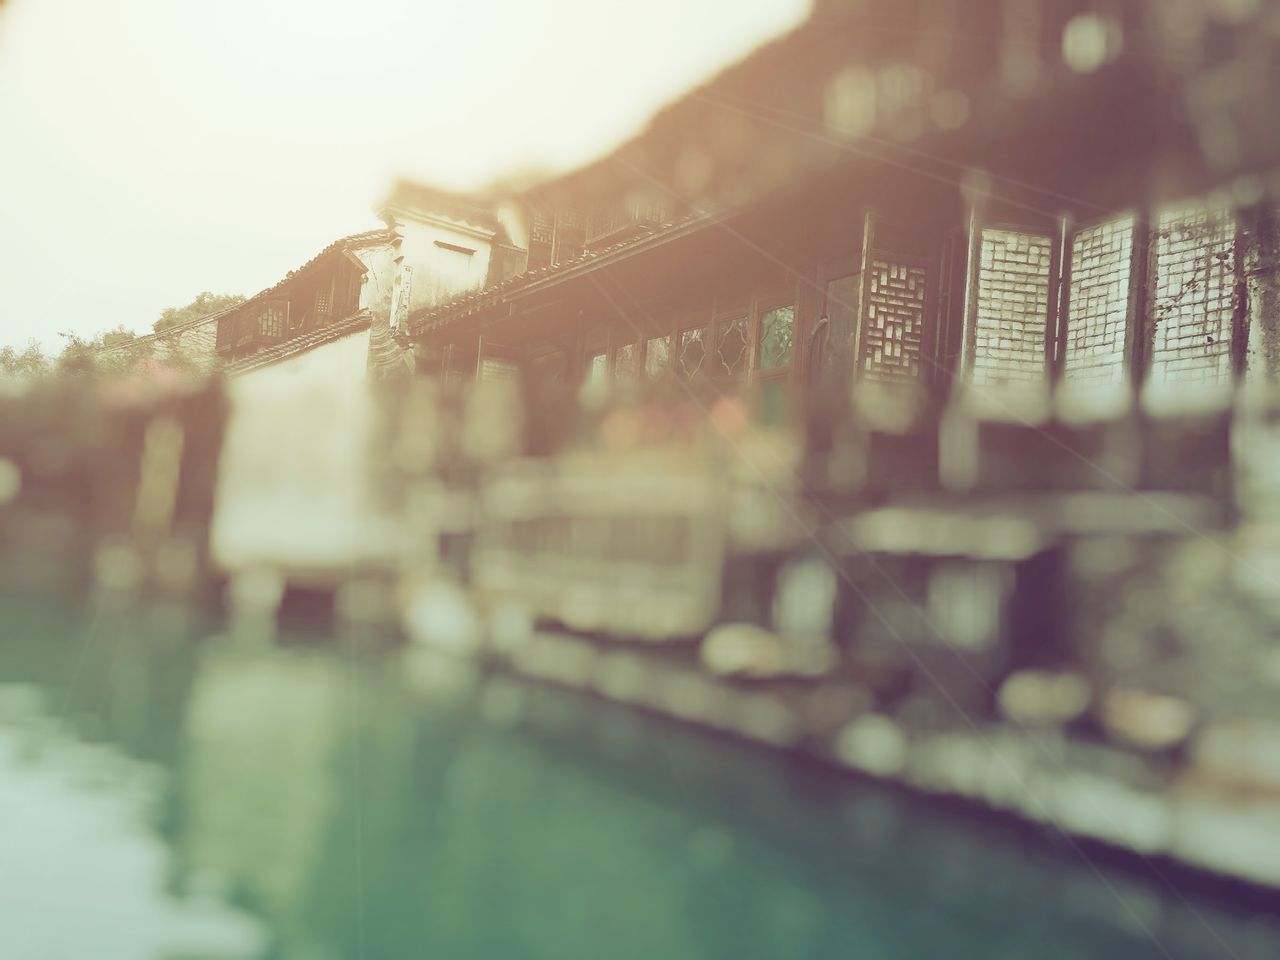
<point>168,790</point>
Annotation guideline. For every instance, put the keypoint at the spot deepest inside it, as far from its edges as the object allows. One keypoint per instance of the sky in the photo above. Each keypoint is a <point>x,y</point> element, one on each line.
<point>153,149</point>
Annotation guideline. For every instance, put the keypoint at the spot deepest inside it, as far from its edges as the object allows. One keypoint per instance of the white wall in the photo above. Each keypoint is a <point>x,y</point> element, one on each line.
<point>294,488</point>
<point>432,273</point>
<point>375,294</point>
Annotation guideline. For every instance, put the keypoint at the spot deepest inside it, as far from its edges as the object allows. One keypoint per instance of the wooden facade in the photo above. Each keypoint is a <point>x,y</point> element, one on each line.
<point>322,292</point>
<point>919,209</point>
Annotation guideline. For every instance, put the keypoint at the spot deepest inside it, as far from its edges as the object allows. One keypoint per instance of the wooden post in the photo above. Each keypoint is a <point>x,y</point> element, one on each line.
<point>1059,307</point>
<point>1139,330</point>
<point>805,306</point>
<point>1262,274</point>
<point>1246,221</point>
<point>969,324</point>
<point>868,235</point>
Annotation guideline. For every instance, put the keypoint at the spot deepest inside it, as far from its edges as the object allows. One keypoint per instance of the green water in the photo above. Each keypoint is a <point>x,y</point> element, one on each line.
<point>170,792</point>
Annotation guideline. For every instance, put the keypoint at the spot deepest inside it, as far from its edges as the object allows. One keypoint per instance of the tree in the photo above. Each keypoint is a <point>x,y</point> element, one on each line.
<point>28,363</point>
<point>117,351</point>
<point>203,305</point>
<point>112,351</point>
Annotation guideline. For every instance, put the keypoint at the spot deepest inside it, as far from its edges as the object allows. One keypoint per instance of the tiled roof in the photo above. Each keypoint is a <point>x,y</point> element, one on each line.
<point>334,331</point>
<point>345,243</point>
<point>465,304</point>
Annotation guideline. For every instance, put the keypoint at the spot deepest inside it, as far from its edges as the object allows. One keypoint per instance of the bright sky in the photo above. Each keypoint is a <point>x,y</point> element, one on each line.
<point>152,149</point>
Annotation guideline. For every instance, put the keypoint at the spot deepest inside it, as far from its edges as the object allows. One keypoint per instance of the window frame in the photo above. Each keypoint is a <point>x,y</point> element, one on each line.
<point>774,300</point>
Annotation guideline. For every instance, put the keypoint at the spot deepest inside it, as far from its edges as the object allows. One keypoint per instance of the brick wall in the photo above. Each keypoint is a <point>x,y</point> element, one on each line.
<point>1013,299</point>
<point>1194,295</point>
<point>1099,302</point>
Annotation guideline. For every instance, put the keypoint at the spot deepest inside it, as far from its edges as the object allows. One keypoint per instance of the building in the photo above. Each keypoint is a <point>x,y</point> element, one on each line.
<point>303,359</point>
<point>1042,192</point>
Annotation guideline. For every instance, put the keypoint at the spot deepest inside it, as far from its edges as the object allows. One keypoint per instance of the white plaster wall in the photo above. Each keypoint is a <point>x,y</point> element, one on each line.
<point>294,488</point>
<point>375,294</point>
<point>434,273</point>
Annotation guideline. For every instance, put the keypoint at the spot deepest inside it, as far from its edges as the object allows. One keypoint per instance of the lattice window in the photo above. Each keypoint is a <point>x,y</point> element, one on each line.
<point>1194,295</point>
<point>1099,304</point>
<point>271,322</point>
<point>893,327</point>
<point>1013,301</point>
<point>777,330</point>
<point>657,356</point>
<point>732,347</point>
<point>693,352</point>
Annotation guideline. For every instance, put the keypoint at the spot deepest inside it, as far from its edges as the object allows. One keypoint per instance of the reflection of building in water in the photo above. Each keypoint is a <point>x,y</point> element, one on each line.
<point>295,787</point>
<point>84,873</point>
<point>257,798</point>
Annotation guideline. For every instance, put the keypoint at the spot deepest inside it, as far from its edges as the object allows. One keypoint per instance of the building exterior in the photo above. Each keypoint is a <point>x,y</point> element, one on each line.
<point>920,203</point>
<point>348,276</point>
<point>303,360</point>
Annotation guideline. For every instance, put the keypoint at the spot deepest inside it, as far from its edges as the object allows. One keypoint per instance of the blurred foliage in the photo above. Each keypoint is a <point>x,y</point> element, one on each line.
<point>204,304</point>
<point>116,351</point>
<point>24,363</point>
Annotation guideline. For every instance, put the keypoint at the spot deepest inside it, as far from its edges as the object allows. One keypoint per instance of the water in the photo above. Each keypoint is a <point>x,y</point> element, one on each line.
<point>169,793</point>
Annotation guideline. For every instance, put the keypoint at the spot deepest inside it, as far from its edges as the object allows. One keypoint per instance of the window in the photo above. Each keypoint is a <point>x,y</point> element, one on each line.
<point>597,369</point>
<point>777,328</point>
<point>733,346</point>
<point>626,361</point>
<point>693,352</point>
<point>657,356</point>
<point>1013,299</point>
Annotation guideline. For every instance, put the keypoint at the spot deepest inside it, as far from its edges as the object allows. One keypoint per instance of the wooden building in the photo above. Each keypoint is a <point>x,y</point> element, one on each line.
<point>1039,191</point>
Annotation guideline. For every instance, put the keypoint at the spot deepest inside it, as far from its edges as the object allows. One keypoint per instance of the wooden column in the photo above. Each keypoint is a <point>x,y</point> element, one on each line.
<point>973,265</point>
<point>1055,341</point>
<point>864,272</point>
<point>1139,330</point>
<point>1243,257</point>
<point>1262,274</point>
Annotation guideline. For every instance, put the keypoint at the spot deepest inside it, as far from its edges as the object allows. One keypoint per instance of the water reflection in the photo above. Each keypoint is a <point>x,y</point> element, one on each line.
<point>164,793</point>
<point>85,873</point>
